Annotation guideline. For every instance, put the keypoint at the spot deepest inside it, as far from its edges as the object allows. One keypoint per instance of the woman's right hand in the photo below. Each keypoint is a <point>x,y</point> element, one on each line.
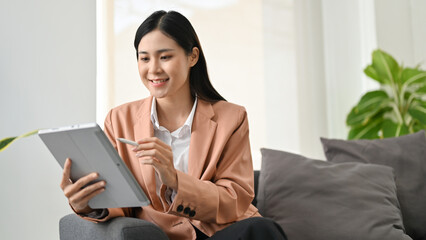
<point>80,193</point>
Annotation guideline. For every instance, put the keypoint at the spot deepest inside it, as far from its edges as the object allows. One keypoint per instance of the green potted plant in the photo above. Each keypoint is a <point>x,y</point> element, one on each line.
<point>397,108</point>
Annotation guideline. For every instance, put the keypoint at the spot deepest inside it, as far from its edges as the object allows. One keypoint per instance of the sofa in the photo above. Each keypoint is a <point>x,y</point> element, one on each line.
<point>366,189</point>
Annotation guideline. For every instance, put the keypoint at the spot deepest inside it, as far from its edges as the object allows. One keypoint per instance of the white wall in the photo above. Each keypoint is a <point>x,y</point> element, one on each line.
<point>47,79</point>
<point>311,88</point>
<point>279,79</point>
<point>401,30</point>
<point>333,37</point>
<point>348,36</point>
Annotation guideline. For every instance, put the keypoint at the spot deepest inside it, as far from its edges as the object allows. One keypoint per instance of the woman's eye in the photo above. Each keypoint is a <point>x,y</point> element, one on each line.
<point>144,59</point>
<point>165,57</point>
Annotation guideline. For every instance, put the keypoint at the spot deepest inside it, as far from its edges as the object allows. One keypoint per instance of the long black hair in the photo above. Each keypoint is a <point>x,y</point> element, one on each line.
<point>178,27</point>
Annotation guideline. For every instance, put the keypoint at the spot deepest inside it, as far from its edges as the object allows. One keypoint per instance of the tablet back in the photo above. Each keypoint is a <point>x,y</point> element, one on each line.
<point>90,151</point>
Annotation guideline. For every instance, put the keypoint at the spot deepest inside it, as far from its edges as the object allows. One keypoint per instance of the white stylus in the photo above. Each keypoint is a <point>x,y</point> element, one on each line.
<point>127,141</point>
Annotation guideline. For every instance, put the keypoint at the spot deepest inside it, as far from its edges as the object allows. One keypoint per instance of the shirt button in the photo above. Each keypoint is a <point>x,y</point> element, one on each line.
<point>186,210</point>
<point>179,208</point>
<point>192,213</point>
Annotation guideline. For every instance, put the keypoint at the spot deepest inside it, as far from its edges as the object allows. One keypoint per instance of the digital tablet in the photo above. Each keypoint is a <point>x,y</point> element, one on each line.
<point>91,151</point>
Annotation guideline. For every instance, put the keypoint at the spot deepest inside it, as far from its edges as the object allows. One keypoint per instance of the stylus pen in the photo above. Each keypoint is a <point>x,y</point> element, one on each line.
<point>127,141</point>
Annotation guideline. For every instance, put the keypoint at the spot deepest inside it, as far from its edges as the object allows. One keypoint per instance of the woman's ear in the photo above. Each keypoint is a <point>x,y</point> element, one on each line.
<point>193,57</point>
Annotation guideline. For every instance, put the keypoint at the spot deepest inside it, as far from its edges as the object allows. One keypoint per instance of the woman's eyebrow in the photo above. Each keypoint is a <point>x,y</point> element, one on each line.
<point>158,51</point>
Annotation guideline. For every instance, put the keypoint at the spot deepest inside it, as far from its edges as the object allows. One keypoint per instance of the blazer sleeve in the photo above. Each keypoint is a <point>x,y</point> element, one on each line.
<point>227,196</point>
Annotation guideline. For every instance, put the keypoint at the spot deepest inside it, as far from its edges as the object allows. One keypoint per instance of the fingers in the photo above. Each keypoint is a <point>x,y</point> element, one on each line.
<point>81,199</point>
<point>165,169</point>
<point>72,189</point>
<point>150,143</point>
<point>148,160</point>
<point>156,157</point>
<point>80,192</point>
<point>66,174</point>
<point>154,147</point>
<point>151,153</point>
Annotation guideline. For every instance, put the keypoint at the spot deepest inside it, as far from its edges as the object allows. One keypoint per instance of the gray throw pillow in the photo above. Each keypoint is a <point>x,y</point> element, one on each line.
<point>407,156</point>
<point>313,199</point>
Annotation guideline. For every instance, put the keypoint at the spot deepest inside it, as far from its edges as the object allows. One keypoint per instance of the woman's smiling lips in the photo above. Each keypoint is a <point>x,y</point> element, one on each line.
<point>158,82</point>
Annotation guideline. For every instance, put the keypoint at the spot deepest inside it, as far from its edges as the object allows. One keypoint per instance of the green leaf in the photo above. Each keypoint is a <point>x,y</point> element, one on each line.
<point>372,73</point>
<point>5,142</point>
<point>412,76</point>
<point>392,129</point>
<point>369,131</point>
<point>417,126</point>
<point>385,66</point>
<point>404,130</point>
<point>357,118</point>
<point>372,99</point>
<point>414,82</point>
<point>418,111</point>
<point>422,89</point>
<point>369,105</point>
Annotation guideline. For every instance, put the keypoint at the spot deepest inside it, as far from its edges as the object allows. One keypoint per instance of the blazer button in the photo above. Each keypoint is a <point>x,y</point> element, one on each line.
<point>186,210</point>
<point>192,213</point>
<point>179,208</point>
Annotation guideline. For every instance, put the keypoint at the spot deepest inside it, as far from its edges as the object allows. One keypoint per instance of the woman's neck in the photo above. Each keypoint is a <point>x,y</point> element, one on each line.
<point>173,112</point>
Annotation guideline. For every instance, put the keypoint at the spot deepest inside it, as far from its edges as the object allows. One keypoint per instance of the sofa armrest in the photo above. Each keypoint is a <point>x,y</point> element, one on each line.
<point>73,227</point>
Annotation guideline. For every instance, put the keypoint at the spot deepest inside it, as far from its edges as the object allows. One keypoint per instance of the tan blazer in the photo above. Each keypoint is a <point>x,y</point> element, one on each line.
<point>218,188</point>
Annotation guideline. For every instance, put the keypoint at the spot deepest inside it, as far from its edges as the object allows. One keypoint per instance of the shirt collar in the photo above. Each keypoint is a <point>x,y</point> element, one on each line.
<point>156,123</point>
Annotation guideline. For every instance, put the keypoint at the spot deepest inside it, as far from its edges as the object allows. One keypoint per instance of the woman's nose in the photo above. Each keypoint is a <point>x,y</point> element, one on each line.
<point>155,67</point>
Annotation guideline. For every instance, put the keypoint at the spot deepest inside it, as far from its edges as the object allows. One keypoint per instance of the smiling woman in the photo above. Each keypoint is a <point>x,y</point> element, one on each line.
<point>192,145</point>
<point>232,44</point>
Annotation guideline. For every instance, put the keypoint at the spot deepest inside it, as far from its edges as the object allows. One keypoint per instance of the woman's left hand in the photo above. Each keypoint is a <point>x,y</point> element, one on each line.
<point>153,151</point>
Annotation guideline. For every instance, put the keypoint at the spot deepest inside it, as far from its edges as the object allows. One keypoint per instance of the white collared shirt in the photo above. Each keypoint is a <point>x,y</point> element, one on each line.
<point>178,140</point>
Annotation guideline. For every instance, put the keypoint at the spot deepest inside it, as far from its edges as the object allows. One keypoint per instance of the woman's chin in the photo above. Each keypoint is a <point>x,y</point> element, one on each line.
<point>158,95</point>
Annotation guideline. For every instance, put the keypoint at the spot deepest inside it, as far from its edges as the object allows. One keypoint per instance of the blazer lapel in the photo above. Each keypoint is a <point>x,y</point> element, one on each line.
<point>144,129</point>
<point>203,129</point>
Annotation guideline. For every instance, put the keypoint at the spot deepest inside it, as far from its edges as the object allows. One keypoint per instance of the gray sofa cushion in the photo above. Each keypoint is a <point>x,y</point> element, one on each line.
<point>313,199</point>
<point>72,227</point>
<point>407,156</point>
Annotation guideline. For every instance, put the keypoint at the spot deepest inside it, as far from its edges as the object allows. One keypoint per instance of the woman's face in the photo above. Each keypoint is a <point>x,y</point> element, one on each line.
<point>164,66</point>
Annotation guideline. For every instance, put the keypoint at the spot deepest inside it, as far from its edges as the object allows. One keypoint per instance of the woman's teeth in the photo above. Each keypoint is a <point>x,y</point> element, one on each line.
<point>159,81</point>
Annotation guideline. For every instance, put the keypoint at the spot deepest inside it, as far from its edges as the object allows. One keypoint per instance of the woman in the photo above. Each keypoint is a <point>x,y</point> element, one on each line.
<point>193,159</point>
